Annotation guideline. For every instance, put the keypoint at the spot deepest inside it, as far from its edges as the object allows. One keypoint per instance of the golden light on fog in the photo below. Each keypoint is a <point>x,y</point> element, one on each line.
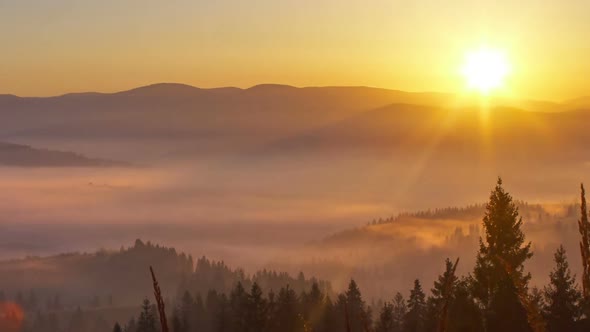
<point>485,69</point>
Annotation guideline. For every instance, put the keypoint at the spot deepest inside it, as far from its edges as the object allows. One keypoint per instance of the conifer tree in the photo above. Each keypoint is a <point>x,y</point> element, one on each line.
<point>238,303</point>
<point>399,312</point>
<point>415,317</point>
<point>561,296</point>
<point>464,314</point>
<point>221,320</point>
<point>442,294</point>
<point>341,314</point>
<point>185,322</point>
<point>500,283</point>
<point>536,302</point>
<point>199,315</point>
<point>358,313</point>
<point>147,321</point>
<point>332,320</point>
<point>257,309</point>
<point>117,328</point>
<point>213,307</point>
<point>386,321</point>
<point>287,317</point>
<point>313,308</point>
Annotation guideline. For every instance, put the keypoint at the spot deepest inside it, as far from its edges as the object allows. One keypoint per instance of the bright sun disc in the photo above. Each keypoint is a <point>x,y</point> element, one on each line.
<point>485,69</point>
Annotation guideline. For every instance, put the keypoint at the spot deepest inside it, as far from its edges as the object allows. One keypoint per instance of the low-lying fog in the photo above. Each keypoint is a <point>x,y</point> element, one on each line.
<point>257,213</point>
<point>260,177</point>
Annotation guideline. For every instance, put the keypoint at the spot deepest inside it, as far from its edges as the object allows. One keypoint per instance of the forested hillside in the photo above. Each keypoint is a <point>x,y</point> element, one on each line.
<point>89,291</point>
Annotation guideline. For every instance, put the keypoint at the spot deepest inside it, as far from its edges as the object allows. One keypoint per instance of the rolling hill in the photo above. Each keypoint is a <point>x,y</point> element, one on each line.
<point>385,250</point>
<point>25,156</point>
<point>218,119</point>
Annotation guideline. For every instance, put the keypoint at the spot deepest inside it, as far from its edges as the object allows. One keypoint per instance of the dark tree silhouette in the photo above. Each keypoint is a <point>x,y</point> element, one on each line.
<point>239,309</point>
<point>464,314</point>
<point>386,322</point>
<point>147,321</point>
<point>561,296</point>
<point>256,316</point>
<point>185,320</point>
<point>117,328</point>
<point>442,295</point>
<point>217,313</point>
<point>495,298</point>
<point>314,308</point>
<point>500,283</point>
<point>359,316</point>
<point>416,315</point>
<point>400,310</point>
<point>286,315</point>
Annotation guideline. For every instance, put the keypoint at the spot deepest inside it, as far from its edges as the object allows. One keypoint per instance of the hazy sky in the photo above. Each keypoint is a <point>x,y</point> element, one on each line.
<point>52,47</point>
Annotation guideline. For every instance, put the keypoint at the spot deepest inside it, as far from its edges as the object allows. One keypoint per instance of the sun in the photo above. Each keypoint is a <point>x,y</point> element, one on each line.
<point>485,69</point>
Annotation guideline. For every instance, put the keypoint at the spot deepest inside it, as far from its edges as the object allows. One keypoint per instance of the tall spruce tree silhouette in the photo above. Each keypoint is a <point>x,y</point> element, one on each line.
<point>584,228</point>
<point>500,283</point>
<point>415,320</point>
<point>562,296</point>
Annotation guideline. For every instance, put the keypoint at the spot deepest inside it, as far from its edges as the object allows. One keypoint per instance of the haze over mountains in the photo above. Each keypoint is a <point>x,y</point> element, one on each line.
<point>381,255</point>
<point>220,165</point>
<point>252,139</point>
<point>181,120</point>
<point>25,156</point>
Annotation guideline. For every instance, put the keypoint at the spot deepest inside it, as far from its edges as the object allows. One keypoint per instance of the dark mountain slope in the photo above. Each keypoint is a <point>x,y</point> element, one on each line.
<point>26,156</point>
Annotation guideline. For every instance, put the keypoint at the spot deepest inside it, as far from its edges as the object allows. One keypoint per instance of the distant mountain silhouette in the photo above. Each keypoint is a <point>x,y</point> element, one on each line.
<point>406,129</point>
<point>231,119</point>
<point>26,156</point>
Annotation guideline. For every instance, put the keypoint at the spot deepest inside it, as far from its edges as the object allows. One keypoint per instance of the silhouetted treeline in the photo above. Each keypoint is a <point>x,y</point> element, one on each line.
<point>49,313</point>
<point>242,310</point>
<point>536,212</point>
<point>494,297</point>
<point>94,280</point>
<point>217,276</point>
<point>252,309</point>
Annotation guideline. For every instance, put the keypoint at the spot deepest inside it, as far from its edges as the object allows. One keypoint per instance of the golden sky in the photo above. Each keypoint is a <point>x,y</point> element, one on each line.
<point>53,47</point>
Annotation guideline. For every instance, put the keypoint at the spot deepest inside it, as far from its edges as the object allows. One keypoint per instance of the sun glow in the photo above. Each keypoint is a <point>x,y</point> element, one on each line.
<point>485,69</point>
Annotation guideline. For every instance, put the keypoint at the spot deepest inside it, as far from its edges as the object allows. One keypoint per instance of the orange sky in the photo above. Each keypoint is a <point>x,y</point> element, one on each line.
<point>53,47</point>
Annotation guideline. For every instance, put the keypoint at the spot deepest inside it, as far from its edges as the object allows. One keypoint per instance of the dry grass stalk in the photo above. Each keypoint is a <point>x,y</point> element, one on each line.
<point>448,287</point>
<point>584,228</point>
<point>160,302</point>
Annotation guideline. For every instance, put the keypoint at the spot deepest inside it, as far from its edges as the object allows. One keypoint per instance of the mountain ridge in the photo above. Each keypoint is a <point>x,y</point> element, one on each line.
<point>19,155</point>
<point>267,86</point>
